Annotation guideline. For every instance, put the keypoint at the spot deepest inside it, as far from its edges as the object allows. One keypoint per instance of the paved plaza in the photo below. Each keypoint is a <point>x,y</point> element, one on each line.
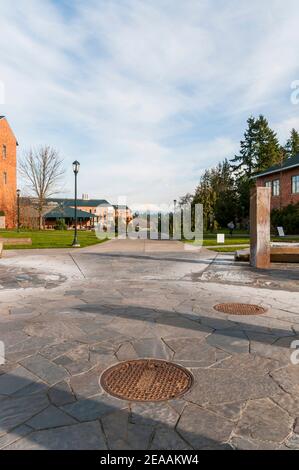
<point>67,315</point>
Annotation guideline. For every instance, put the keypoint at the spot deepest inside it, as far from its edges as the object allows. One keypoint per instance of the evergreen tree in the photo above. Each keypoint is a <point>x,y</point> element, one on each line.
<point>292,146</point>
<point>216,192</point>
<point>259,150</point>
<point>224,190</point>
<point>267,146</point>
<point>226,204</point>
<point>205,195</point>
<point>246,160</point>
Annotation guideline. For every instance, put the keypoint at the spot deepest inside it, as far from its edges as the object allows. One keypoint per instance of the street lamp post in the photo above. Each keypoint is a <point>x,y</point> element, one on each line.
<point>173,218</point>
<point>18,204</point>
<point>76,167</point>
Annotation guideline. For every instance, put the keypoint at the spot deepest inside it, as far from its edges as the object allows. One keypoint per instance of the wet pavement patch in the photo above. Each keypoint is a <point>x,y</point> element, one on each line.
<point>19,278</point>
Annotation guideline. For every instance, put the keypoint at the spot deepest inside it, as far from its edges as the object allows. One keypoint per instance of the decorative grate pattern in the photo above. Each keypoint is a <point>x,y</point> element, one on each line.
<point>146,380</point>
<point>240,309</point>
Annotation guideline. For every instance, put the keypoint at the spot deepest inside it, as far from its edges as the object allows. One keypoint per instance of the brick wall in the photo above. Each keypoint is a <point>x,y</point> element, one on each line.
<point>8,167</point>
<point>286,197</point>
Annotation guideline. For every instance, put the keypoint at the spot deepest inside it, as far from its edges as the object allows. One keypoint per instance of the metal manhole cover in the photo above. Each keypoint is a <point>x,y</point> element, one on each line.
<point>240,309</point>
<point>146,380</point>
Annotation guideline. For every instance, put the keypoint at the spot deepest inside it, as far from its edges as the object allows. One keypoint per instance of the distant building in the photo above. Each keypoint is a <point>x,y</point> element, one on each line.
<point>284,182</point>
<point>89,212</point>
<point>100,209</point>
<point>67,214</point>
<point>124,212</point>
<point>8,173</point>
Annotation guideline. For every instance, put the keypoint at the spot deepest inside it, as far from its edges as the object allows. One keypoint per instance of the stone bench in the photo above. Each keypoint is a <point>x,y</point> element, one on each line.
<point>242,255</point>
<point>285,252</point>
<point>279,253</point>
<point>14,241</point>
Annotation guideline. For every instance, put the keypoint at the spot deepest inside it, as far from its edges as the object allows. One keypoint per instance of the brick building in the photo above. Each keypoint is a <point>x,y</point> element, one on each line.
<point>101,210</point>
<point>123,212</point>
<point>8,172</point>
<point>284,182</point>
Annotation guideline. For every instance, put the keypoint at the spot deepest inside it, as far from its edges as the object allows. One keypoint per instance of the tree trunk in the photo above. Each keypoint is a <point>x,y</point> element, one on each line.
<point>40,216</point>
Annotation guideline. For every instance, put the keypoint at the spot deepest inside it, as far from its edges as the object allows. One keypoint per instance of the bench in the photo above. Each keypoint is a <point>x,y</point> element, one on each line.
<point>14,241</point>
<point>285,252</point>
<point>280,253</point>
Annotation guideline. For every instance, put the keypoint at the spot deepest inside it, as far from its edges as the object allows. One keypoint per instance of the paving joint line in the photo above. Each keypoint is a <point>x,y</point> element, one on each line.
<point>75,262</point>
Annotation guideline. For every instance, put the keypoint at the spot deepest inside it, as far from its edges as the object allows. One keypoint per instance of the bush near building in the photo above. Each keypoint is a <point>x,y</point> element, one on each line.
<point>288,218</point>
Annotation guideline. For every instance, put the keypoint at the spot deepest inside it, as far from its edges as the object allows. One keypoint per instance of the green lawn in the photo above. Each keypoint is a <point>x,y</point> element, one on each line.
<point>64,239</point>
<point>287,238</point>
<point>211,240</point>
<point>228,241</point>
<point>228,249</point>
<point>50,238</point>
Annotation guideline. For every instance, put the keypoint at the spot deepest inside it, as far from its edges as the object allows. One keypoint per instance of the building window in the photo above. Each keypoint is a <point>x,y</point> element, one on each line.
<point>268,184</point>
<point>295,184</point>
<point>5,177</point>
<point>275,188</point>
<point>4,152</point>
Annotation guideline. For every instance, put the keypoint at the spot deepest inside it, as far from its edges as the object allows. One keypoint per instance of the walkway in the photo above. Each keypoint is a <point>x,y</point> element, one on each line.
<point>65,316</point>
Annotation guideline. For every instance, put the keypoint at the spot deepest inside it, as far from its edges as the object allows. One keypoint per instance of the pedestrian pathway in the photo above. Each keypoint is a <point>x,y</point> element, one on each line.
<point>111,304</point>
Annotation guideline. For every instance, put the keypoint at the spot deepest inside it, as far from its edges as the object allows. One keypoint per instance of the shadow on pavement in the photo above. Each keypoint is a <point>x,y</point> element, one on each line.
<point>221,326</point>
<point>37,416</point>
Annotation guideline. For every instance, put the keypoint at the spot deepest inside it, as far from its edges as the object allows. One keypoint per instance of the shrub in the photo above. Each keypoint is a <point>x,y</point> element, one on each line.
<point>60,225</point>
<point>288,218</point>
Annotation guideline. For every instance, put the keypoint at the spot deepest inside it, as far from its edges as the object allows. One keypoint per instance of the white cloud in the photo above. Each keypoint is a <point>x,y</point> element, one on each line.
<point>145,94</point>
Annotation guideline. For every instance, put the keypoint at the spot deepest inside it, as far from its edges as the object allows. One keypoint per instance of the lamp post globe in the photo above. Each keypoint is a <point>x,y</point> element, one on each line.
<point>76,167</point>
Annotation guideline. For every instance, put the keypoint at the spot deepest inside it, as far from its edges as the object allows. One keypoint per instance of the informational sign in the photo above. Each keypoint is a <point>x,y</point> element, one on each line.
<point>220,238</point>
<point>281,231</point>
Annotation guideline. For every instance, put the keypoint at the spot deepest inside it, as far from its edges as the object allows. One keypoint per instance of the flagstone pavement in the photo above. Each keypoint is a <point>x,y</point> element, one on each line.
<point>65,316</point>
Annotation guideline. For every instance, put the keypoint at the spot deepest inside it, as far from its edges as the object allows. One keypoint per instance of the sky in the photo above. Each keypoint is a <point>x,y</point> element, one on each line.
<point>146,94</point>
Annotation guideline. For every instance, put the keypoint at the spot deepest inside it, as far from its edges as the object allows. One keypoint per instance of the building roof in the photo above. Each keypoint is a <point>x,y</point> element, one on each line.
<point>120,206</point>
<point>80,202</point>
<point>3,117</point>
<point>287,164</point>
<point>66,212</point>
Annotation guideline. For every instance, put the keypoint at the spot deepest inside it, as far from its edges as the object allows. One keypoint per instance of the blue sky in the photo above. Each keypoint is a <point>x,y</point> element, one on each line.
<point>146,94</point>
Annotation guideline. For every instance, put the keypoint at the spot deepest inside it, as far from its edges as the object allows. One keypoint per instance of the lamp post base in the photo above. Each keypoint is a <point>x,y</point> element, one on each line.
<point>76,243</point>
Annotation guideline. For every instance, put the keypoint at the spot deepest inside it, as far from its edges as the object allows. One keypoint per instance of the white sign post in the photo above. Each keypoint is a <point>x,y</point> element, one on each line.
<point>281,231</point>
<point>220,238</point>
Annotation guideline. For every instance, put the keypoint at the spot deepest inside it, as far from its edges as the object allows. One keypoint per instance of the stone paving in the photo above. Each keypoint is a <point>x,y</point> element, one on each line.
<point>126,300</point>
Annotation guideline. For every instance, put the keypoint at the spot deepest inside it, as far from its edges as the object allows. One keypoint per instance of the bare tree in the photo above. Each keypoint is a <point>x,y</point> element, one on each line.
<point>187,199</point>
<point>42,170</point>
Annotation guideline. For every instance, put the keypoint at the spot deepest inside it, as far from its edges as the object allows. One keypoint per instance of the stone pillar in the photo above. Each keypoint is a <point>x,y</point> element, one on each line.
<point>260,206</point>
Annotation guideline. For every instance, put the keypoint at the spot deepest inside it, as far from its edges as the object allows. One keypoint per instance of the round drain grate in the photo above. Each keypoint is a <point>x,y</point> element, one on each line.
<point>146,380</point>
<point>240,309</point>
